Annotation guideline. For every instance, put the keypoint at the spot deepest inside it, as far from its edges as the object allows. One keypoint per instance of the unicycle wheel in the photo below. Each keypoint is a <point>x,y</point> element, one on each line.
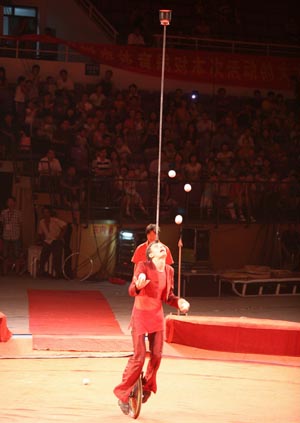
<point>135,399</point>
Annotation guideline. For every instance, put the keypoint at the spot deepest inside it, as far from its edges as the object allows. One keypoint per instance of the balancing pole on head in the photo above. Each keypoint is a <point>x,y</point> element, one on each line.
<point>165,19</point>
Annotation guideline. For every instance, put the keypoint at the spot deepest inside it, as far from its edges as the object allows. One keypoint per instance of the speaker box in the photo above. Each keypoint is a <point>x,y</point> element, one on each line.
<point>195,245</point>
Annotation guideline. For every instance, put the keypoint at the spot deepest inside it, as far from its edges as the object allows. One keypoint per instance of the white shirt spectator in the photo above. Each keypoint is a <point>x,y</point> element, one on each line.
<point>49,167</point>
<point>136,38</point>
<point>51,231</point>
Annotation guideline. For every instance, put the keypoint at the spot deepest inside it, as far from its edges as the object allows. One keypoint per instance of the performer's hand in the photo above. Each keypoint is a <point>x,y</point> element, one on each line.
<point>183,305</point>
<point>141,282</point>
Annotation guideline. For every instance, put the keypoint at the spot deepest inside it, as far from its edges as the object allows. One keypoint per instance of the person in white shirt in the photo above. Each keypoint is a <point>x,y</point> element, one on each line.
<point>49,169</point>
<point>64,82</point>
<point>97,97</point>
<point>102,165</point>
<point>49,165</point>
<point>51,232</point>
<point>136,38</point>
<point>20,98</point>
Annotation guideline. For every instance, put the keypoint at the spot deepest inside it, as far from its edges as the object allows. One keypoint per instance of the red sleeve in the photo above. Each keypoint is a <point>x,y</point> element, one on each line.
<point>140,268</point>
<point>171,299</point>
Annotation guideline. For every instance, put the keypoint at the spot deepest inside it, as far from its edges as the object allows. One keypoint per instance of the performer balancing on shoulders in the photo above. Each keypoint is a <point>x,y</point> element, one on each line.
<point>151,285</point>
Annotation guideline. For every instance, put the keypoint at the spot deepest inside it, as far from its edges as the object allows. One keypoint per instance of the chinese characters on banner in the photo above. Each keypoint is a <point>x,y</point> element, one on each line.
<point>193,65</point>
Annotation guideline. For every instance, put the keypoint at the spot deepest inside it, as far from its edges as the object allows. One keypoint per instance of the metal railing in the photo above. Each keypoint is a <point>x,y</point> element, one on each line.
<point>10,47</point>
<point>218,201</point>
<point>16,49</point>
<point>228,46</point>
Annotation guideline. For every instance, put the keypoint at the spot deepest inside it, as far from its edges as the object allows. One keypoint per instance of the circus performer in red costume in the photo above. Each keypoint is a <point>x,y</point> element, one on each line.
<point>151,285</point>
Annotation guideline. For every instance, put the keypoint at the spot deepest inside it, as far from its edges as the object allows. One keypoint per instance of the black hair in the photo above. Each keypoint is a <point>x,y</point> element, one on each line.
<point>151,227</point>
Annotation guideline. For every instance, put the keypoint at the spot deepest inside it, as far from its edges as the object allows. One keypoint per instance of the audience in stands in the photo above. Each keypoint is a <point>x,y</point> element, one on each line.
<point>235,151</point>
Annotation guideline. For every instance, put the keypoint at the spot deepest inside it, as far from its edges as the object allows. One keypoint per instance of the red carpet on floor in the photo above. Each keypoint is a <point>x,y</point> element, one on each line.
<point>237,335</point>
<point>56,312</point>
<point>73,321</point>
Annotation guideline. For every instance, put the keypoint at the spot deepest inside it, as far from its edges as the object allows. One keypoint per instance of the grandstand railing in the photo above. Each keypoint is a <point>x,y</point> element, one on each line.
<point>35,50</point>
<point>259,202</point>
<point>60,52</point>
<point>253,201</point>
<point>228,46</point>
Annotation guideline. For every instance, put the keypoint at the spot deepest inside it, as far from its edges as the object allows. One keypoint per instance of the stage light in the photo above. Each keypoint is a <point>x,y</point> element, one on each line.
<point>195,95</point>
<point>126,235</point>
<point>187,187</point>
<point>172,173</point>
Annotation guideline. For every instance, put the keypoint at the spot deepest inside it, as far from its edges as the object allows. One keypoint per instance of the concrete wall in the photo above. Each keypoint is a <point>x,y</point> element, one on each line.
<point>232,246</point>
<point>73,24</point>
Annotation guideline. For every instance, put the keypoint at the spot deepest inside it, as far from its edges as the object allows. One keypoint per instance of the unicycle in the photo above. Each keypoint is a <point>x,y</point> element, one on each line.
<point>135,399</point>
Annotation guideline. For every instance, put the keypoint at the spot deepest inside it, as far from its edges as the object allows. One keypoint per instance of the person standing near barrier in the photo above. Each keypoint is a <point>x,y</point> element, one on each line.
<point>51,232</point>
<point>11,220</point>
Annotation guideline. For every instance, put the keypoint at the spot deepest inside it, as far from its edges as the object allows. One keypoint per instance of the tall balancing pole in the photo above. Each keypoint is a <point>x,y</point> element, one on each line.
<point>165,19</point>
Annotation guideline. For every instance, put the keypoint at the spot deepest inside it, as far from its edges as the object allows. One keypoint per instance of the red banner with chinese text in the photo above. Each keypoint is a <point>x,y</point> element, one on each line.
<point>242,70</point>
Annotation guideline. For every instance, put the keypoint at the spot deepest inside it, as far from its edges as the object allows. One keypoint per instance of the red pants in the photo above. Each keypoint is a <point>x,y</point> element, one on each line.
<point>136,362</point>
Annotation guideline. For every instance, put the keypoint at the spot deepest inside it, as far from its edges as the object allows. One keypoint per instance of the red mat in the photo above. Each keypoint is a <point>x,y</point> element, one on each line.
<point>55,312</point>
<point>5,333</point>
<point>233,334</point>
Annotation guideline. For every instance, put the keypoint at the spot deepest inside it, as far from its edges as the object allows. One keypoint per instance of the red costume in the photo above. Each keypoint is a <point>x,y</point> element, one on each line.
<point>147,318</point>
<point>140,254</point>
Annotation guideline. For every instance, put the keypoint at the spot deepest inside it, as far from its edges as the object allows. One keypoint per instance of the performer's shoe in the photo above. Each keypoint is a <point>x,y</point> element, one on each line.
<point>146,393</point>
<point>124,407</point>
<point>146,396</point>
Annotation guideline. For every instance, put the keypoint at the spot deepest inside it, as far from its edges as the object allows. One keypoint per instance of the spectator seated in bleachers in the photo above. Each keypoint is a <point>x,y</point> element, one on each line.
<point>8,136</point>
<point>101,165</point>
<point>49,170</point>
